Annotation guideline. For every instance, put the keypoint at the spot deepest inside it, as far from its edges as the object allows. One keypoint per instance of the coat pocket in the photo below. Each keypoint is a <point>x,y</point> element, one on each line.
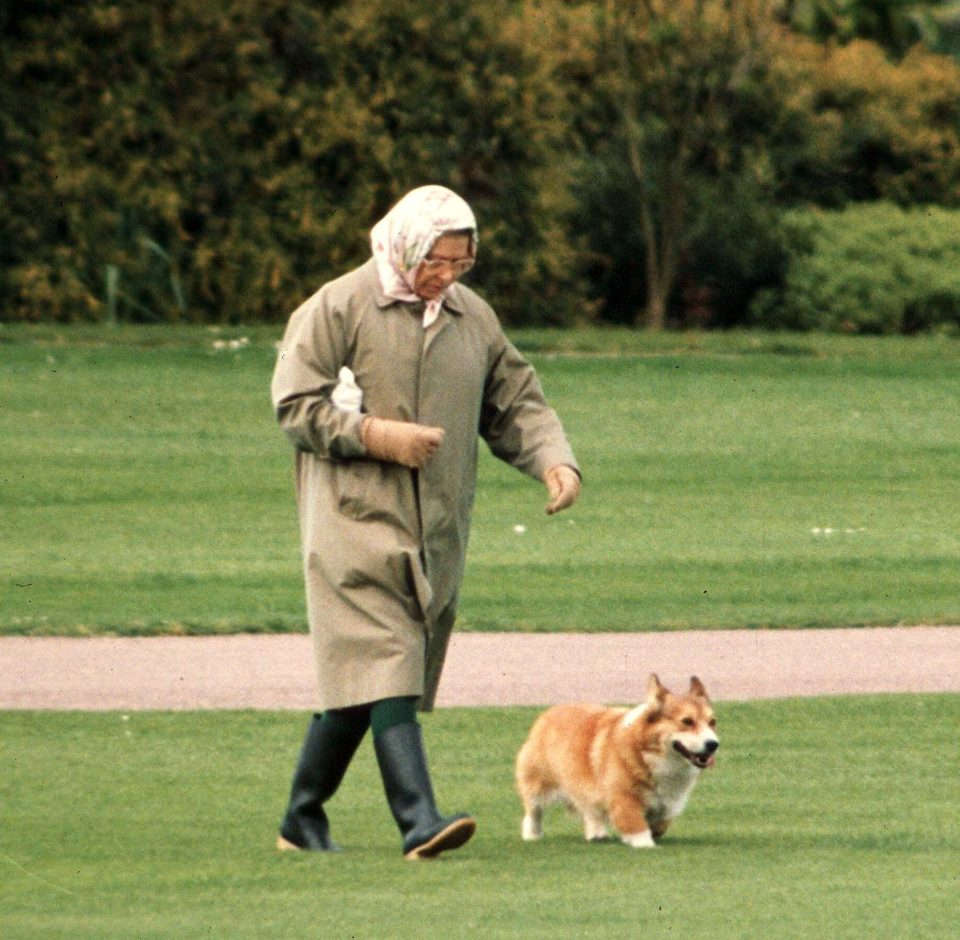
<point>371,491</point>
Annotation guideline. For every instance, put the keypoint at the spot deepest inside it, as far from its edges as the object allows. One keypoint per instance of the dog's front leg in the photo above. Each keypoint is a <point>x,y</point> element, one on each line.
<point>639,840</point>
<point>627,816</point>
<point>594,827</point>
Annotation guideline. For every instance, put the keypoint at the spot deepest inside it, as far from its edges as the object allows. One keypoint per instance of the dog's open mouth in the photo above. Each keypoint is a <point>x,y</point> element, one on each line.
<point>702,760</point>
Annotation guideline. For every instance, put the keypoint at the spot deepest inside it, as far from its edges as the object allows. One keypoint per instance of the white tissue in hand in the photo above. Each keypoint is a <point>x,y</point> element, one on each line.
<point>347,395</point>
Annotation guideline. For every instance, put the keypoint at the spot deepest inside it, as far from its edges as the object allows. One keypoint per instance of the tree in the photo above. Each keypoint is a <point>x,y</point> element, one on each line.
<point>686,84</point>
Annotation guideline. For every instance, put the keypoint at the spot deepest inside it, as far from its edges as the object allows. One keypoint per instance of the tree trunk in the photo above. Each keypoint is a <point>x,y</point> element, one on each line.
<point>656,308</point>
<point>660,245</point>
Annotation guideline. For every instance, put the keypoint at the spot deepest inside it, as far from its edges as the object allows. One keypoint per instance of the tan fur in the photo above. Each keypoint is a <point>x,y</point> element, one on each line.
<point>631,768</point>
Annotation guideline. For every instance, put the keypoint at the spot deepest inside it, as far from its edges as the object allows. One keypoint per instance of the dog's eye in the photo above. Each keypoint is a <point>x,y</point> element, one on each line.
<point>689,722</point>
<point>713,722</point>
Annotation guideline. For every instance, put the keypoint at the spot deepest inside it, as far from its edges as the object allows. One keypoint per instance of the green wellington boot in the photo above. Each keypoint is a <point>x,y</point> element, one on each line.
<point>406,780</point>
<point>327,751</point>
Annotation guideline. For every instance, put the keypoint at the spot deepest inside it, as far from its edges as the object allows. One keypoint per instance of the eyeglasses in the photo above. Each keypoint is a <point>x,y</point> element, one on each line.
<point>459,266</point>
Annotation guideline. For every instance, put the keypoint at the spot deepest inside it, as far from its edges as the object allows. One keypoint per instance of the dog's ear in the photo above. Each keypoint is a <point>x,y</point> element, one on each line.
<point>656,693</point>
<point>697,688</point>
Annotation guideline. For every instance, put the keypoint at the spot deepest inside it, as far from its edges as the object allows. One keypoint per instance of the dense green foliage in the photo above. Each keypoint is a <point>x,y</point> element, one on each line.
<point>871,268</point>
<point>731,480</point>
<point>184,161</point>
<point>816,822</point>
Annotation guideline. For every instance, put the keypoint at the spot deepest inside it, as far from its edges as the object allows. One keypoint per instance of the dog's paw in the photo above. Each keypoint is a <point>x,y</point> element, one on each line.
<point>639,840</point>
<point>594,831</point>
<point>531,830</point>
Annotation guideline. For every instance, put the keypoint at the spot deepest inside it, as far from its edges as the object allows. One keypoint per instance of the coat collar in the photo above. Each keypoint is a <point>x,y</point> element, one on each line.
<point>454,302</point>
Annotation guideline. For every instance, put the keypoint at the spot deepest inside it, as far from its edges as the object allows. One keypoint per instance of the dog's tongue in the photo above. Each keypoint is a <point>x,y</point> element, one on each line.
<point>698,760</point>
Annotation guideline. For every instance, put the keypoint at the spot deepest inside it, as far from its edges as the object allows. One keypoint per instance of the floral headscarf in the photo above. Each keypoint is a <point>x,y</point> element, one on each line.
<point>404,236</point>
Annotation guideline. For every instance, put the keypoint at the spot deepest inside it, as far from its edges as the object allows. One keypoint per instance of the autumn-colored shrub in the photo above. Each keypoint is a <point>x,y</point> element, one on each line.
<point>858,126</point>
<point>203,162</point>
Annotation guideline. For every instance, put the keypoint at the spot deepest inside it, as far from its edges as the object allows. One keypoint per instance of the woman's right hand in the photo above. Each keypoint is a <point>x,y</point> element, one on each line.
<point>403,442</point>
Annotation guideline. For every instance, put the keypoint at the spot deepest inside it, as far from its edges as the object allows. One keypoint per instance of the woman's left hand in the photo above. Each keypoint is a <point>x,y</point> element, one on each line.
<point>563,485</point>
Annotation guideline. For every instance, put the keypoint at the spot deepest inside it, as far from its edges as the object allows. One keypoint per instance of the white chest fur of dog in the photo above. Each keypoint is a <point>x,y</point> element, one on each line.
<point>632,769</point>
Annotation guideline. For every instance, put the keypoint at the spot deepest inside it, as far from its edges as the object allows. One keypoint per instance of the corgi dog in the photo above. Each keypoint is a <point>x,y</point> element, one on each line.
<point>631,768</point>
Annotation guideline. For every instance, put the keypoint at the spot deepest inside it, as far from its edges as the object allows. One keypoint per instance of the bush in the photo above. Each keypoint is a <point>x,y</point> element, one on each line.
<point>869,268</point>
<point>859,127</point>
<point>183,161</point>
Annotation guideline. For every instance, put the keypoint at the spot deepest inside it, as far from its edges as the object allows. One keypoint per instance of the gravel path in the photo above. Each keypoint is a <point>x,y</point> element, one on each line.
<point>275,672</point>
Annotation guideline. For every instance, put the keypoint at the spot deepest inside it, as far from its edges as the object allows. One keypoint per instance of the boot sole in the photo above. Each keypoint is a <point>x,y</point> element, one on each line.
<point>285,845</point>
<point>456,834</point>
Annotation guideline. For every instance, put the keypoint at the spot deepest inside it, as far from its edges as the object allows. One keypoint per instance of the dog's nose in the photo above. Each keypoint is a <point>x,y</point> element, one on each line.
<point>711,746</point>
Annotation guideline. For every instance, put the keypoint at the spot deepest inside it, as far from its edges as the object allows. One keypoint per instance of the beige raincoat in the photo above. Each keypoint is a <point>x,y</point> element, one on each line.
<point>383,545</point>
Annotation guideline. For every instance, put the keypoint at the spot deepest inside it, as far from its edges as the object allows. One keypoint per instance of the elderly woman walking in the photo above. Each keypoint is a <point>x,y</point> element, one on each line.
<point>385,380</point>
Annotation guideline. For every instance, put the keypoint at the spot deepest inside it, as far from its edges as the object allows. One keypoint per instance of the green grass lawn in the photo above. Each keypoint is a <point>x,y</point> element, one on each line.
<point>730,480</point>
<point>831,817</point>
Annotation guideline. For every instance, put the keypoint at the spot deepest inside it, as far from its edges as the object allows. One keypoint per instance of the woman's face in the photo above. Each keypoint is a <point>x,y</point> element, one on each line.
<point>448,259</point>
